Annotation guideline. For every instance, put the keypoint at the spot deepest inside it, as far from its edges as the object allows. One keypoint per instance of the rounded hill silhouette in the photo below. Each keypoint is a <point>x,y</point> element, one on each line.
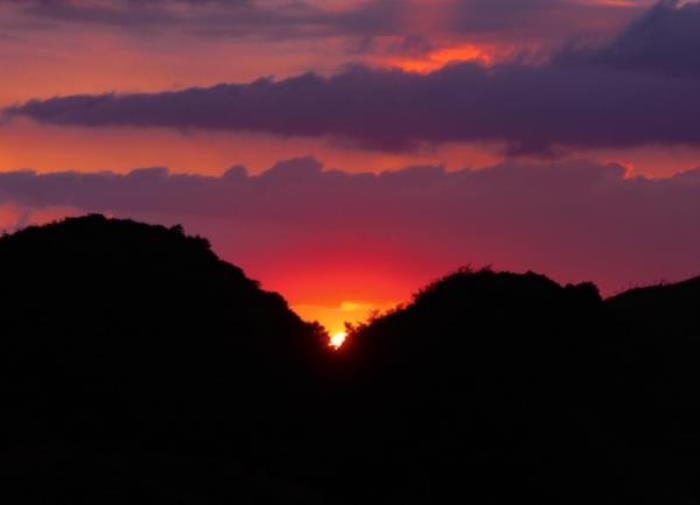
<point>131,357</point>
<point>501,388</point>
<point>137,367</point>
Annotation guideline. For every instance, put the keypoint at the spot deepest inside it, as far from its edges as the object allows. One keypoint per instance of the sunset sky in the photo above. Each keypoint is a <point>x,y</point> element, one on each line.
<point>346,152</point>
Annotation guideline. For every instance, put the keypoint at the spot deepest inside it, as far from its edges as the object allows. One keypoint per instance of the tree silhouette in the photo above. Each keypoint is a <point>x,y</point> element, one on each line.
<point>137,367</point>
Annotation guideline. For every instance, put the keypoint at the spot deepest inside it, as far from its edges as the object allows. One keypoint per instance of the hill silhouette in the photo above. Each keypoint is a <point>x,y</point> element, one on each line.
<point>506,387</point>
<point>134,362</point>
<point>137,367</point>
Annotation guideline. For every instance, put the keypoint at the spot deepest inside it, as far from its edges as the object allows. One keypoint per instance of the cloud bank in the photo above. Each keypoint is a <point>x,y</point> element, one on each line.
<point>665,40</point>
<point>533,109</point>
<point>641,89</point>
<point>576,220</point>
<point>308,18</point>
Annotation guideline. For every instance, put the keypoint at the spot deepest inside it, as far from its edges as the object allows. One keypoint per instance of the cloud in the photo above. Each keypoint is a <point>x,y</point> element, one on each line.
<point>639,89</point>
<point>533,109</point>
<point>574,220</point>
<point>372,18</point>
<point>541,19</point>
<point>235,18</point>
<point>666,39</point>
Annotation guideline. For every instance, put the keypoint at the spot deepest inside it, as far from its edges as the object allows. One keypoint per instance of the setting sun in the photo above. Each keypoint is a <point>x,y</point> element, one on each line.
<point>338,339</point>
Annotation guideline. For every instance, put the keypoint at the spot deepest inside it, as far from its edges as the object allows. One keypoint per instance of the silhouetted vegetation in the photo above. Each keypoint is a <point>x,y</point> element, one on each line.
<point>137,367</point>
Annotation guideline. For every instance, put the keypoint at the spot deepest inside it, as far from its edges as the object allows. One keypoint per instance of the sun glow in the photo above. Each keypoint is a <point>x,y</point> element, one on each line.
<point>338,339</point>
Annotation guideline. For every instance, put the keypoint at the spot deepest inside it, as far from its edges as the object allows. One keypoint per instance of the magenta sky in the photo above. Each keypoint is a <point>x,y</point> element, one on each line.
<point>419,135</point>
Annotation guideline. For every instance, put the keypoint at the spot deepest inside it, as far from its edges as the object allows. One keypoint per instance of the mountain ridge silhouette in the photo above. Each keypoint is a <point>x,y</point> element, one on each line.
<point>137,367</point>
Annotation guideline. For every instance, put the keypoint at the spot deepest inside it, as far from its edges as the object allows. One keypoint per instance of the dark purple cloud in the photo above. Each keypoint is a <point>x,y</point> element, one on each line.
<point>238,18</point>
<point>666,40</point>
<point>531,108</point>
<point>307,18</point>
<point>538,19</point>
<point>575,220</point>
<point>640,89</point>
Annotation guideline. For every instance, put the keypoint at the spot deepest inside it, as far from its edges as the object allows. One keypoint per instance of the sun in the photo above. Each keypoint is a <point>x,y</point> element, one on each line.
<point>338,339</point>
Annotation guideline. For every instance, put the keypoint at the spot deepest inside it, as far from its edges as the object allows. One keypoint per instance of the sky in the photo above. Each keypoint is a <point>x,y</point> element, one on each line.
<point>346,152</point>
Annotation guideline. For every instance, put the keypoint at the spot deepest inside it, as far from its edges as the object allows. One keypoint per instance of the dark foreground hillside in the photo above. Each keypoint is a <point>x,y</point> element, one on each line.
<point>503,388</point>
<point>139,368</point>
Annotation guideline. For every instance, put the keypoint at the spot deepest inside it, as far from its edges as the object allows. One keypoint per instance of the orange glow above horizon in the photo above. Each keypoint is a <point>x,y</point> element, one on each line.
<point>25,144</point>
<point>334,317</point>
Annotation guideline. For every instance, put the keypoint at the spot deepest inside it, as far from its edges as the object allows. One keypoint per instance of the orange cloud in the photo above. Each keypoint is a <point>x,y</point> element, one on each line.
<point>438,58</point>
